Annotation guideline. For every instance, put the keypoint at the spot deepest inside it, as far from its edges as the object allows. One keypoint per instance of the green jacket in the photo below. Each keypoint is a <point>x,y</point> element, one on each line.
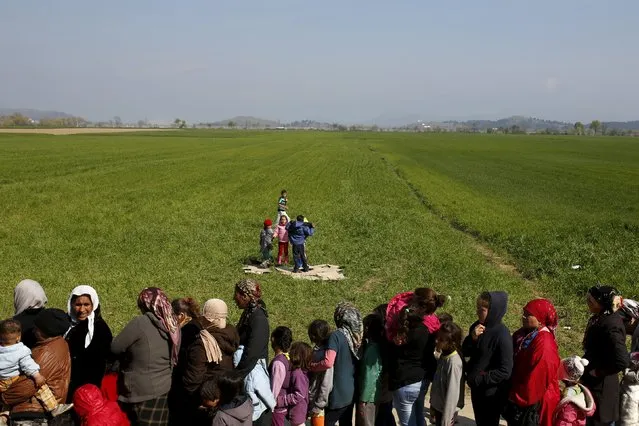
<point>371,374</point>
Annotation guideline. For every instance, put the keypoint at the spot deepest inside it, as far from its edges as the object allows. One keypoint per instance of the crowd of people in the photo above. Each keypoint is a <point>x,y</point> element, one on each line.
<point>179,364</point>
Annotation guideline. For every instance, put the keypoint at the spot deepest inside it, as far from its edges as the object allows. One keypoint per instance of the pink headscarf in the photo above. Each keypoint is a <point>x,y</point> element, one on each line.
<point>153,300</point>
<point>395,306</point>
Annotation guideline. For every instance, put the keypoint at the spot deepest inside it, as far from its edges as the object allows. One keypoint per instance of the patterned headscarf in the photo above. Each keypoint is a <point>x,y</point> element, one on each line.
<point>153,300</point>
<point>605,295</point>
<point>348,320</point>
<point>630,308</point>
<point>545,312</point>
<point>251,288</point>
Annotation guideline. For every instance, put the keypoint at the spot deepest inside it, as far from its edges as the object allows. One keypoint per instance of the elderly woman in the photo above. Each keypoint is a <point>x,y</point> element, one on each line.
<point>29,300</point>
<point>52,355</point>
<point>254,332</point>
<point>148,348</point>
<point>535,384</point>
<point>605,348</point>
<point>89,338</point>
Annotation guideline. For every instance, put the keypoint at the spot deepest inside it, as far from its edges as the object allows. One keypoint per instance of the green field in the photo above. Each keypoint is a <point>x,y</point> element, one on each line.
<point>182,210</point>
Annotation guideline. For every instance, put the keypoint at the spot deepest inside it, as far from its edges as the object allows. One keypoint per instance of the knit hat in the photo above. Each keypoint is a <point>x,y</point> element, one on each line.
<point>572,368</point>
<point>52,322</point>
<point>268,222</point>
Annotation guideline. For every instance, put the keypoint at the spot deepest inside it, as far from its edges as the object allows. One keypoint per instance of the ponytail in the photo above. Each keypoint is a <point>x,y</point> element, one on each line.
<point>187,306</point>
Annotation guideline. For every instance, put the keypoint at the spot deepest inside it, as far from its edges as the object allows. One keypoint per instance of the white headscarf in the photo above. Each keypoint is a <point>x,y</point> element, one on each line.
<point>28,294</point>
<point>82,290</point>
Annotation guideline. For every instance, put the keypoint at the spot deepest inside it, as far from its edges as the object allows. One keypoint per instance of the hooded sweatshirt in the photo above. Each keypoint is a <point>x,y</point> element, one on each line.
<point>238,412</point>
<point>95,410</point>
<point>491,356</point>
<point>298,232</point>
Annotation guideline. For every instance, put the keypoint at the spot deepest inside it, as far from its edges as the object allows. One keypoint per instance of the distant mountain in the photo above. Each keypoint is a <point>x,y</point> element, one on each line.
<point>34,114</point>
<point>523,123</point>
<point>247,121</point>
<point>621,125</point>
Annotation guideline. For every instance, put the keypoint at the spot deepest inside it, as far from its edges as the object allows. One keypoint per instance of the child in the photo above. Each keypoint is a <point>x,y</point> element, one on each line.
<point>282,236</point>
<point>447,393</point>
<point>94,409</point>
<point>266,243</point>
<point>15,359</point>
<point>224,393</point>
<point>630,393</point>
<point>489,352</point>
<point>296,399</point>
<point>298,231</point>
<point>282,208</point>
<point>321,384</point>
<point>280,372</point>
<point>370,377</point>
<point>576,401</point>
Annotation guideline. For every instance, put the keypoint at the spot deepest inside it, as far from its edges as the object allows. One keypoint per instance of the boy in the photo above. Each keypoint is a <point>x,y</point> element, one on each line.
<point>282,208</point>
<point>298,231</point>
<point>15,359</point>
<point>490,349</point>
<point>266,243</point>
<point>224,393</point>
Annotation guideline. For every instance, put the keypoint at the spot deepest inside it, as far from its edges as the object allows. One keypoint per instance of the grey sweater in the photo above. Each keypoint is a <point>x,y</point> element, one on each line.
<point>145,353</point>
<point>447,393</point>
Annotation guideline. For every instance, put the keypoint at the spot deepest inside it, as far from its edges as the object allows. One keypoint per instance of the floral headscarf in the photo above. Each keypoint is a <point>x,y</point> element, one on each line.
<point>348,320</point>
<point>251,288</point>
<point>153,300</point>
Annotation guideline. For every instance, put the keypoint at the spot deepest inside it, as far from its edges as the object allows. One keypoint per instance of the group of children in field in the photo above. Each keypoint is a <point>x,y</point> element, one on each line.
<point>285,231</point>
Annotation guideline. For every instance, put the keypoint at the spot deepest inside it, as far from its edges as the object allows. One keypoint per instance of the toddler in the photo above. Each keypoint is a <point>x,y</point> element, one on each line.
<point>266,243</point>
<point>282,236</point>
<point>576,401</point>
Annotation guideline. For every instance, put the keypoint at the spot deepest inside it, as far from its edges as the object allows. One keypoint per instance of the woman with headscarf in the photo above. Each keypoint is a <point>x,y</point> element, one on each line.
<point>28,300</point>
<point>254,332</point>
<point>148,349</point>
<point>89,338</point>
<point>534,392</point>
<point>211,351</point>
<point>630,314</point>
<point>342,353</point>
<point>605,349</point>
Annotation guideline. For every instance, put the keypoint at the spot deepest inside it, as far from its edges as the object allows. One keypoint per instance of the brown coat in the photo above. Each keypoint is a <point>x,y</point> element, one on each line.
<point>55,365</point>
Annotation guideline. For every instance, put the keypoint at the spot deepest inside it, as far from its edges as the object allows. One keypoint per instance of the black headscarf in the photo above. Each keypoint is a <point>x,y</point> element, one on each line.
<point>605,296</point>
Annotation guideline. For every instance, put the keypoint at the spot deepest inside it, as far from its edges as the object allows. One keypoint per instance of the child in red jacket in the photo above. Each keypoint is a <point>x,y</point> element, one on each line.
<point>95,410</point>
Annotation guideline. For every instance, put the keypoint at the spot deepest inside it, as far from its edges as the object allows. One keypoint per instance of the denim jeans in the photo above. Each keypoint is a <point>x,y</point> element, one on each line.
<point>419,408</point>
<point>406,401</point>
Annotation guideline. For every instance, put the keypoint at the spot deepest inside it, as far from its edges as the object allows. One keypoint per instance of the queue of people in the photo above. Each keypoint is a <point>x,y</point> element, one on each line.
<point>176,363</point>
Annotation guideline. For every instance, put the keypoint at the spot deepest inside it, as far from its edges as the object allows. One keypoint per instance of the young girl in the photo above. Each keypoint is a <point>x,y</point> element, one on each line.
<point>447,392</point>
<point>224,394</point>
<point>321,383</point>
<point>630,393</point>
<point>280,372</point>
<point>297,397</point>
<point>282,236</point>
<point>370,377</point>
<point>576,401</point>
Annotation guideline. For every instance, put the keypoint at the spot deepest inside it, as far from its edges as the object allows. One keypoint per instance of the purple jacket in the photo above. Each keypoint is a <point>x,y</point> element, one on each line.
<point>280,380</point>
<point>297,398</point>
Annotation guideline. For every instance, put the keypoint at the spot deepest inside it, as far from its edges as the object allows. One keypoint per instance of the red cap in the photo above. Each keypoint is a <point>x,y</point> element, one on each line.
<point>268,222</point>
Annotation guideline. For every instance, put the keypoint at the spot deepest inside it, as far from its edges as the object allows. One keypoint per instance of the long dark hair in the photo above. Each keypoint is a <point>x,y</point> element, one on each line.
<point>300,356</point>
<point>450,334</point>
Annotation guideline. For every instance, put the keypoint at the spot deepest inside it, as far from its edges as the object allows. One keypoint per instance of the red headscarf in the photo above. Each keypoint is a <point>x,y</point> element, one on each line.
<point>544,311</point>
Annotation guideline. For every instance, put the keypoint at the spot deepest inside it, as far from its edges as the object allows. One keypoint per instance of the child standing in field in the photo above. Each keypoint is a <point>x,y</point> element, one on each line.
<point>576,402</point>
<point>298,232</point>
<point>282,207</point>
<point>282,237</point>
<point>629,415</point>
<point>280,372</point>
<point>15,359</point>
<point>321,383</point>
<point>370,373</point>
<point>296,398</point>
<point>266,242</point>
<point>447,393</point>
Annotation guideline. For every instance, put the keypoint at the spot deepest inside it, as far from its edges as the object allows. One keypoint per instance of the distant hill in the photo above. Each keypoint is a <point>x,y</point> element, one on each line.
<point>34,114</point>
<point>622,125</point>
<point>524,123</point>
<point>247,121</point>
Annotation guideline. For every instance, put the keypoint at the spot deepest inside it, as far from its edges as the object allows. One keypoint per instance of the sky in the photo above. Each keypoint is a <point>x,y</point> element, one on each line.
<point>333,60</point>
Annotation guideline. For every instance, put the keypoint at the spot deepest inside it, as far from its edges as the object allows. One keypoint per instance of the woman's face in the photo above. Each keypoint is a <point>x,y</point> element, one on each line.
<point>241,300</point>
<point>82,307</point>
<point>529,321</point>
<point>593,306</point>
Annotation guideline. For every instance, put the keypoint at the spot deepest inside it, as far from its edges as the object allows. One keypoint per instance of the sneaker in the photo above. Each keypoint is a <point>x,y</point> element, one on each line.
<point>61,409</point>
<point>296,271</point>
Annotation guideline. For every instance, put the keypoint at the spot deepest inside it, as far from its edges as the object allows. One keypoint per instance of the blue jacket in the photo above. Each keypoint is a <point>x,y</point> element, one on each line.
<point>257,385</point>
<point>298,232</point>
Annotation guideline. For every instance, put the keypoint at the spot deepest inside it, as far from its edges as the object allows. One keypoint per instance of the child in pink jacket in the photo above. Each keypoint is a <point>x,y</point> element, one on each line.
<point>576,401</point>
<point>282,237</point>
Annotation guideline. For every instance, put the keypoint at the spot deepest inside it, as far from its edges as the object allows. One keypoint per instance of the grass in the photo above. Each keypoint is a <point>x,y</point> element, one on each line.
<point>182,210</point>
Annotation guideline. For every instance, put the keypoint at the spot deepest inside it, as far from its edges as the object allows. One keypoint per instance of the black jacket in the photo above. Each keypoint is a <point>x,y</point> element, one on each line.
<point>491,357</point>
<point>605,348</point>
<point>88,365</point>
<point>408,360</point>
<point>254,336</point>
<point>26,321</point>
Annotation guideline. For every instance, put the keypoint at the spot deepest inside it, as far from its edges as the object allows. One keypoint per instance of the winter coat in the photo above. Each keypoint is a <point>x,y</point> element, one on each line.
<point>491,356</point>
<point>629,415</point>
<point>281,233</point>
<point>535,374</point>
<point>298,232</point>
<point>254,336</point>
<point>145,351</point>
<point>257,385</point>
<point>238,412</point>
<point>55,364</point>
<point>296,397</point>
<point>573,409</point>
<point>94,410</point>
<point>605,348</point>
<point>88,365</point>
<point>266,239</point>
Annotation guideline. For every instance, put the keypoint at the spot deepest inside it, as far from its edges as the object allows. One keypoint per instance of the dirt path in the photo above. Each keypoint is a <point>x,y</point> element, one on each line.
<point>79,130</point>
